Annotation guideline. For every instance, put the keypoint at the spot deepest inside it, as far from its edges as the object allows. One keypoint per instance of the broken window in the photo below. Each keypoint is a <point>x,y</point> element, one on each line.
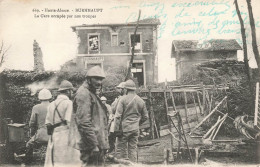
<point>114,40</point>
<point>137,41</point>
<point>93,43</point>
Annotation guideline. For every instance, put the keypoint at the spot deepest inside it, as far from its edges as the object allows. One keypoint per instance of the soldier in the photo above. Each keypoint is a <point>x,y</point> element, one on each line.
<point>37,122</point>
<point>131,111</point>
<point>112,137</point>
<point>58,120</point>
<point>91,119</point>
<point>104,101</point>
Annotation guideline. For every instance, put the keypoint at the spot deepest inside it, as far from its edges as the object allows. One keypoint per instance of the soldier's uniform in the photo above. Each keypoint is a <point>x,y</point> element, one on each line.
<point>131,111</point>
<point>91,119</point>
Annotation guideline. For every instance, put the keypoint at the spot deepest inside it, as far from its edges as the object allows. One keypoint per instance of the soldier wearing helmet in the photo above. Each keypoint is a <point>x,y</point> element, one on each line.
<point>104,101</point>
<point>120,88</point>
<point>37,122</point>
<point>57,121</point>
<point>91,119</point>
<point>131,111</point>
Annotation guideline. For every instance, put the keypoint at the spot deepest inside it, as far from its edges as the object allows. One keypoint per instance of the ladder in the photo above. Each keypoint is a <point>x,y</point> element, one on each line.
<point>175,115</point>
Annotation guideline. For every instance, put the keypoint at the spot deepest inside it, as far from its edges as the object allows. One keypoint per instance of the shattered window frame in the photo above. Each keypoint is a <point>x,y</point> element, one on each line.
<point>138,45</point>
<point>93,43</point>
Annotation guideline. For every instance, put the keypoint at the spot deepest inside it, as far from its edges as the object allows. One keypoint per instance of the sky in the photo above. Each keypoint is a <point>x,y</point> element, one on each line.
<point>180,20</point>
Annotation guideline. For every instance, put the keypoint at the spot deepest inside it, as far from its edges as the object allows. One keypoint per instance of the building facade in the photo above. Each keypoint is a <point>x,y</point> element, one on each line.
<point>190,52</point>
<point>109,45</point>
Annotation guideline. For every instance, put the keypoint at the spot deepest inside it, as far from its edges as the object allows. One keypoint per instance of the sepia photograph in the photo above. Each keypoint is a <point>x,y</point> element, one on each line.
<point>129,83</point>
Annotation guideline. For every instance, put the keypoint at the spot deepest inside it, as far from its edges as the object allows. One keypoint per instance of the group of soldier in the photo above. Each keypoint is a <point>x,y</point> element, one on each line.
<point>82,129</point>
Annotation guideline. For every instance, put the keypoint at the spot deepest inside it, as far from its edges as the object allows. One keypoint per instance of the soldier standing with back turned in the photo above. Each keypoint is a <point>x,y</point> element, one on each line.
<point>130,113</point>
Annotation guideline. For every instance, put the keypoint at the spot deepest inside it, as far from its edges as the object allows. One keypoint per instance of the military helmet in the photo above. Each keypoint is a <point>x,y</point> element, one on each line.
<point>129,84</point>
<point>103,98</point>
<point>96,71</point>
<point>44,94</point>
<point>121,85</point>
<point>65,85</point>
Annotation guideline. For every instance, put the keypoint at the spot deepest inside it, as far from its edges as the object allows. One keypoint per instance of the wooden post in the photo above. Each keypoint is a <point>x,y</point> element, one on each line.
<point>151,115</point>
<point>203,99</point>
<point>184,136</point>
<point>179,142</point>
<point>173,101</point>
<point>196,156</point>
<point>195,107</point>
<point>168,118</point>
<point>209,95</point>
<point>179,126</point>
<point>166,156</point>
<point>201,110</point>
<point>186,109</point>
<point>256,104</point>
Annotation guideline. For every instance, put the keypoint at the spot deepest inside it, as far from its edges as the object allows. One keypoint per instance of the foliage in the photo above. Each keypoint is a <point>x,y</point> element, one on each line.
<point>230,73</point>
<point>114,75</point>
<point>16,94</point>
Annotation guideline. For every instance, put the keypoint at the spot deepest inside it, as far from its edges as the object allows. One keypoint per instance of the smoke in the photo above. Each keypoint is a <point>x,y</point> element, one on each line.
<point>51,83</point>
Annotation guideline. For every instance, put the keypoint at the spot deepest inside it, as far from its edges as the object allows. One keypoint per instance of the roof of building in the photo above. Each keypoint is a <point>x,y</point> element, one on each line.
<point>148,21</point>
<point>207,45</point>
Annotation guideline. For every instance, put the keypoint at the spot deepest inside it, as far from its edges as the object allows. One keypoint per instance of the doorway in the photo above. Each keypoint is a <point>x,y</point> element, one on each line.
<point>138,72</point>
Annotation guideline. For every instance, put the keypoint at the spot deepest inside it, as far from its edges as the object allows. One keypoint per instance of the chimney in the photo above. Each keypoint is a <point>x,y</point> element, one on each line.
<point>37,54</point>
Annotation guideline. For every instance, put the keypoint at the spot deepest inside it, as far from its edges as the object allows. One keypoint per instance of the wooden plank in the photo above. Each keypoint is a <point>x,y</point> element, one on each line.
<point>168,118</point>
<point>200,107</point>
<point>151,115</point>
<point>154,90</point>
<point>256,104</point>
<point>186,108</point>
<point>203,99</point>
<point>195,107</point>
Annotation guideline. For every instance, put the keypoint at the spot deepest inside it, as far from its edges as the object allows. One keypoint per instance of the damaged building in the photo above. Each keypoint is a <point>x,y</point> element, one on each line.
<point>190,52</point>
<point>109,45</point>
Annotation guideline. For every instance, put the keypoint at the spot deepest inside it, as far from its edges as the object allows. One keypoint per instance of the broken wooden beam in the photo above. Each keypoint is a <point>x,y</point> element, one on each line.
<point>205,118</point>
<point>215,125</point>
<point>219,127</point>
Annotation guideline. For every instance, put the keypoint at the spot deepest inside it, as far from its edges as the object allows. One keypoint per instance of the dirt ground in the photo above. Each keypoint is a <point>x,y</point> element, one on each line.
<point>151,152</point>
<point>222,153</point>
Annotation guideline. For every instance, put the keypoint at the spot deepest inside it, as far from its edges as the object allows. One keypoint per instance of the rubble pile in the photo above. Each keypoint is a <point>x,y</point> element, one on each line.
<point>229,72</point>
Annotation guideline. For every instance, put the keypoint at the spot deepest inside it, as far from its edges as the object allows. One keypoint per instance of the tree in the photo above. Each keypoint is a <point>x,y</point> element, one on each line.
<point>253,32</point>
<point>128,75</point>
<point>3,53</point>
<point>247,68</point>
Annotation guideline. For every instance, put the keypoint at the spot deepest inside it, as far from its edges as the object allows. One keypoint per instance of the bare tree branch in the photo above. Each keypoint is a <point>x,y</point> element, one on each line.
<point>3,53</point>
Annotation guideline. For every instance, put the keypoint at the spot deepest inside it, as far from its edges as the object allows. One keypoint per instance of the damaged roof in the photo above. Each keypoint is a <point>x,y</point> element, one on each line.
<point>148,21</point>
<point>207,45</point>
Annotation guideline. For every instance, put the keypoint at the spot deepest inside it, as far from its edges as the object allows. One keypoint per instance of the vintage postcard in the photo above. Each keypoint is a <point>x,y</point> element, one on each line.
<point>191,63</point>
